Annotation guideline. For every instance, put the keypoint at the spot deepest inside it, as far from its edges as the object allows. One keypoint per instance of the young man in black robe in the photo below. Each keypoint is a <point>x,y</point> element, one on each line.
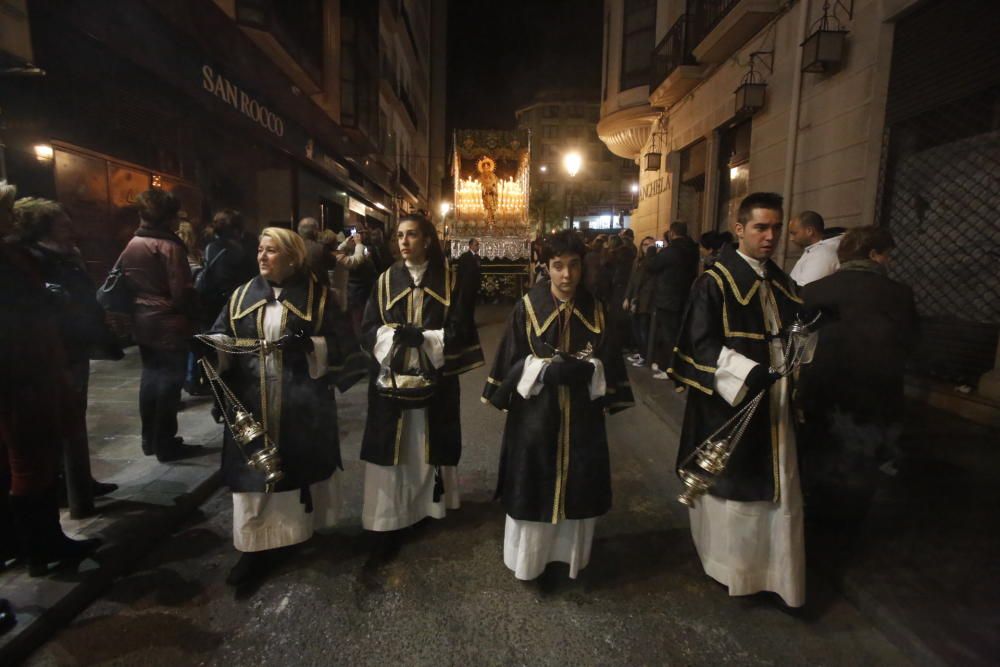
<point>748,527</point>
<point>558,371</point>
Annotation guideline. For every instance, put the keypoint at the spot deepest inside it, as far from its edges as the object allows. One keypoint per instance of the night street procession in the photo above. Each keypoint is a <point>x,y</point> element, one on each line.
<point>539,332</point>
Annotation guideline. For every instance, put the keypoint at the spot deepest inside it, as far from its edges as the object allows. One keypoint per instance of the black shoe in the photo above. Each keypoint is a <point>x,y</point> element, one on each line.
<point>149,450</point>
<point>62,551</point>
<point>251,566</point>
<point>102,488</point>
<point>178,451</point>
<point>40,534</point>
<point>7,617</point>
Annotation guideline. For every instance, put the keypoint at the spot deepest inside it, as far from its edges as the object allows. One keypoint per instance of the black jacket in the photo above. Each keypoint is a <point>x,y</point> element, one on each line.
<point>227,266</point>
<point>862,349</point>
<point>675,268</point>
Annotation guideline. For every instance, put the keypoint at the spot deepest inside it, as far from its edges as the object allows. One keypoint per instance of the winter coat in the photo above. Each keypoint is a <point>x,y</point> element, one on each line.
<point>157,271</point>
<point>675,268</point>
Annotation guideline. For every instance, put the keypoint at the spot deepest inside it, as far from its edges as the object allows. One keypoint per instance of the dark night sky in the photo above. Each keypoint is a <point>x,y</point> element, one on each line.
<point>500,53</point>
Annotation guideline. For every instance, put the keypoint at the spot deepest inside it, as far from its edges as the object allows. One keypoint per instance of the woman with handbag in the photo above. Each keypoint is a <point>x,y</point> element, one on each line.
<point>419,328</point>
<point>287,386</point>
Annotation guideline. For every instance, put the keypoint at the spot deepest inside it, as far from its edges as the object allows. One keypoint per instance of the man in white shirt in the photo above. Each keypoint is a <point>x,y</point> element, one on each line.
<point>819,255</point>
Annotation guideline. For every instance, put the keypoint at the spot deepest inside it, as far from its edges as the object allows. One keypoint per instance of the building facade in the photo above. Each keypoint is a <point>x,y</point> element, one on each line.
<point>864,115</point>
<point>323,108</point>
<point>600,196</point>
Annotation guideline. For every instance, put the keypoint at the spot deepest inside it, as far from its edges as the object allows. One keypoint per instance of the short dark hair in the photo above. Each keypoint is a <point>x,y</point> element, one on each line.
<point>566,242</point>
<point>628,232</point>
<point>157,207</point>
<point>858,243</point>
<point>725,238</point>
<point>473,240</point>
<point>679,228</point>
<point>811,219</point>
<point>771,201</point>
<point>228,223</point>
<point>434,252</point>
<point>709,240</point>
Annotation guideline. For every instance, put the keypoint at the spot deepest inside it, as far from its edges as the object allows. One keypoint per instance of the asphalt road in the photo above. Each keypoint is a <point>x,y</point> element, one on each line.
<point>447,599</point>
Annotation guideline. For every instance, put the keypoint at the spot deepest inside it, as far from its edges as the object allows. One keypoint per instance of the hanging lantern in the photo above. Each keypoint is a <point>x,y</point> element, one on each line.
<point>751,93</point>
<point>823,50</point>
<point>653,161</point>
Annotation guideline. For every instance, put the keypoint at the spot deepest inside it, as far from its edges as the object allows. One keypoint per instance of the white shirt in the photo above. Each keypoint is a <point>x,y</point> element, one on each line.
<point>817,261</point>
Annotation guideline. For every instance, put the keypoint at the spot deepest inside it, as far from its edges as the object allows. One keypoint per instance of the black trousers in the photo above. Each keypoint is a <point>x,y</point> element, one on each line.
<point>668,323</point>
<point>163,373</point>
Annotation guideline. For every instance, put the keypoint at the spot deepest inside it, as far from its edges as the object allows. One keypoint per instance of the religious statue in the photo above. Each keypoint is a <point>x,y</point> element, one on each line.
<point>488,184</point>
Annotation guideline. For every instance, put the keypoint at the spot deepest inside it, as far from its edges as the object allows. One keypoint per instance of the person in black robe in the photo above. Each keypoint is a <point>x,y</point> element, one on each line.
<point>290,394</point>
<point>748,528</point>
<point>411,452</point>
<point>557,372</point>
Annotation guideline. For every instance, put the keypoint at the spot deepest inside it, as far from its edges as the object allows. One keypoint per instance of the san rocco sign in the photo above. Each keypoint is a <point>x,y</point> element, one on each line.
<point>241,101</point>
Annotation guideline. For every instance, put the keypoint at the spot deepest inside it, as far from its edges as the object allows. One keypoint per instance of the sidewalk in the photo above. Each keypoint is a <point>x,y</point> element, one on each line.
<point>152,498</point>
<point>926,574</point>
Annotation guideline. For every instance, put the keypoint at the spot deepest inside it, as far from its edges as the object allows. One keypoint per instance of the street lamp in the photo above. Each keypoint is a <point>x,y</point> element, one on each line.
<point>445,209</point>
<point>572,162</point>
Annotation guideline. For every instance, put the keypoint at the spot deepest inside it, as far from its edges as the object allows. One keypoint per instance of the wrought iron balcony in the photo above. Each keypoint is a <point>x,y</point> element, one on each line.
<point>673,51</point>
<point>674,70</point>
<point>720,27</point>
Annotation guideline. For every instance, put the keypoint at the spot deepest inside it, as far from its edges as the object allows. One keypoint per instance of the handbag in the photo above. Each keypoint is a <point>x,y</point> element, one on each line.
<point>201,284</point>
<point>411,387</point>
<point>115,295</point>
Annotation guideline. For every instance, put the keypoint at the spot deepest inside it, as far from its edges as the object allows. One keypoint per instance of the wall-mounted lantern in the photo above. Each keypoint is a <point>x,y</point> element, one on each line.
<point>751,93</point>
<point>823,50</point>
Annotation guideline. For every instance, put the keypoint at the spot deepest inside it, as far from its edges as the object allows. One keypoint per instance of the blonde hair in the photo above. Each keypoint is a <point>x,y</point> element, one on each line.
<point>186,233</point>
<point>289,243</point>
<point>34,217</point>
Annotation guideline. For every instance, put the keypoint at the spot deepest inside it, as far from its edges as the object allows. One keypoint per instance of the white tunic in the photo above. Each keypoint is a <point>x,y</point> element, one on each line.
<point>271,520</point>
<point>401,495</point>
<point>528,546</point>
<point>756,546</point>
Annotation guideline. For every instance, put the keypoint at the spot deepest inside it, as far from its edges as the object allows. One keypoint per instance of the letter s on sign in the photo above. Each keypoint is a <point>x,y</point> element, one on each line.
<point>207,78</point>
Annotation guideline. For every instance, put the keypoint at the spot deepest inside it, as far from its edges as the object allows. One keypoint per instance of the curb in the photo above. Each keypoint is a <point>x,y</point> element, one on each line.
<point>116,559</point>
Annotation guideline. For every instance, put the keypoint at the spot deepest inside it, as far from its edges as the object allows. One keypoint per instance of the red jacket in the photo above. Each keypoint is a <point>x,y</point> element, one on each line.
<point>156,268</point>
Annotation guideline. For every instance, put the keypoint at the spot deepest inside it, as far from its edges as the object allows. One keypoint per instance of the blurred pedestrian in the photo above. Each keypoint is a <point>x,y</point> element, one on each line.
<point>318,259</point>
<point>852,393</point>
<point>295,385</point>
<point>337,273</point>
<point>362,274</point>
<point>621,260</point>
<point>639,301</point>
<point>819,254</point>
<point>157,272</point>
<point>46,232</point>
<point>675,268</point>
<point>227,264</point>
<point>469,272</point>
<point>595,278</point>
<point>34,399</point>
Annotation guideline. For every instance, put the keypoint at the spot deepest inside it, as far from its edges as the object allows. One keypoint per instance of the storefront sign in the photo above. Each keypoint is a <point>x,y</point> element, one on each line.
<point>653,188</point>
<point>230,93</point>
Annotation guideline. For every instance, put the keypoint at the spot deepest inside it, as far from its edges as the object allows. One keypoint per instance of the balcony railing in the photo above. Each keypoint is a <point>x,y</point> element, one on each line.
<point>705,15</point>
<point>673,51</point>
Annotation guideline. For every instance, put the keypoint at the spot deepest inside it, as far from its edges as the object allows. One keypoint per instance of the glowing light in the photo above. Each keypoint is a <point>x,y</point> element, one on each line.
<point>445,208</point>
<point>44,152</point>
<point>543,169</point>
<point>572,162</point>
<point>635,187</point>
<point>380,205</point>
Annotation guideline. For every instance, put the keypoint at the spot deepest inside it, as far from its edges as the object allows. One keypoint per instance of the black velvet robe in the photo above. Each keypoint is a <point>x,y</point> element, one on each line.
<point>724,309</point>
<point>554,459</point>
<point>309,440</point>
<point>445,305</point>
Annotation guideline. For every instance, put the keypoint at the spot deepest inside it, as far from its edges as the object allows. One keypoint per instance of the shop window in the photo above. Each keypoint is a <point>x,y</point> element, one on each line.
<point>637,43</point>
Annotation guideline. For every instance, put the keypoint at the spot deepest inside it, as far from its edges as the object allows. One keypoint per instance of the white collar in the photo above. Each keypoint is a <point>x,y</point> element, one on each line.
<point>755,264</point>
<point>416,271</point>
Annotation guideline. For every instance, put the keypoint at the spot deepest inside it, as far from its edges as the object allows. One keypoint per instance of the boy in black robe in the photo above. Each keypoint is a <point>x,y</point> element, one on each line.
<point>558,371</point>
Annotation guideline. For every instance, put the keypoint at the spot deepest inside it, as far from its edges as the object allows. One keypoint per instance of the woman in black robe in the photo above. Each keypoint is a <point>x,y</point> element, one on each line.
<point>290,394</point>
<point>411,453</point>
<point>558,371</point>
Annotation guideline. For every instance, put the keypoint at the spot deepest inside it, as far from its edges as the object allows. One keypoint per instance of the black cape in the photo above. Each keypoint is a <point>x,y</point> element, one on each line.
<point>724,309</point>
<point>309,440</point>
<point>445,306</point>
<point>554,458</point>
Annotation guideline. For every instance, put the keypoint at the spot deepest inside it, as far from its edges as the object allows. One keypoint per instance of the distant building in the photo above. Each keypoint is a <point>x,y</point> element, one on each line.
<point>601,193</point>
<point>884,127</point>
<point>326,108</point>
